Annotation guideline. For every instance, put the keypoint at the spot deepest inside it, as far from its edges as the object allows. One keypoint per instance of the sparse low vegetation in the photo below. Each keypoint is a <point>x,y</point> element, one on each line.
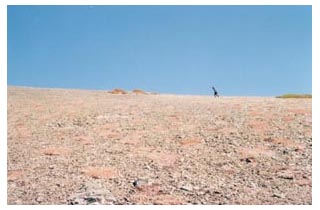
<point>295,96</point>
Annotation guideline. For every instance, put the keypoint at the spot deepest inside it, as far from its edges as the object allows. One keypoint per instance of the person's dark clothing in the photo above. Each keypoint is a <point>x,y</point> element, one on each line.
<point>215,92</point>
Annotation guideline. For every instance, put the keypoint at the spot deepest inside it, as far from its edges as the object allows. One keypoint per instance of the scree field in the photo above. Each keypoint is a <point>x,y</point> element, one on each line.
<point>100,147</point>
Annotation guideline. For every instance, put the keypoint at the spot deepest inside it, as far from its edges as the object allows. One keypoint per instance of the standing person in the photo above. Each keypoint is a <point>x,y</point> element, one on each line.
<point>215,92</point>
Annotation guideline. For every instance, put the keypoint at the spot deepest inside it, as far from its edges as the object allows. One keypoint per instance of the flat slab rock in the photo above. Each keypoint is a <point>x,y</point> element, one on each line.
<point>92,194</point>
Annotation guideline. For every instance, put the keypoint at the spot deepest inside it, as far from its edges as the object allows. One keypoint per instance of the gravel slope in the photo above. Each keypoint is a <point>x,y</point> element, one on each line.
<point>93,147</point>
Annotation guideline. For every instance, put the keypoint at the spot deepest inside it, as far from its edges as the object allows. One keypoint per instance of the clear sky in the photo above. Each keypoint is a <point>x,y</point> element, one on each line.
<point>241,50</point>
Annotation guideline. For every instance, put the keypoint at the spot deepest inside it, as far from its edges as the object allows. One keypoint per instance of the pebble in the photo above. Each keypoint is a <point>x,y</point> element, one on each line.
<point>40,199</point>
<point>138,183</point>
<point>278,195</point>
<point>187,187</point>
<point>286,175</point>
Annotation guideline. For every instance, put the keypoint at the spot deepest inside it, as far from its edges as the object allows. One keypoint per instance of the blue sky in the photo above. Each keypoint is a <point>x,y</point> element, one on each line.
<point>241,50</point>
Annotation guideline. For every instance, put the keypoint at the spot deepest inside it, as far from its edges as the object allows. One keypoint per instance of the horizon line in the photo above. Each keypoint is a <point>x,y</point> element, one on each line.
<point>152,92</point>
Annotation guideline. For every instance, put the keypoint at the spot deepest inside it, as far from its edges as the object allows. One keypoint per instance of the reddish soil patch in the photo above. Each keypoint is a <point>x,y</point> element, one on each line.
<point>14,175</point>
<point>288,118</point>
<point>255,152</point>
<point>56,151</point>
<point>142,150</point>
<point>163,159</point>
<point>153,194</point>
<point>168,200</point>
<point>149,189</point>
<point>303,182</point>
<point>85,140</point>
<point>142,199</point>
<point>308,132</point>
<point>23,133</point>
<point>298,111</point>
<point>132,139</point>
<point>110,134</point>
<point>100,173</point>
<point>227,131</point>
<point>190,141</point>
<point>285,142</point>
<point>259,126</point>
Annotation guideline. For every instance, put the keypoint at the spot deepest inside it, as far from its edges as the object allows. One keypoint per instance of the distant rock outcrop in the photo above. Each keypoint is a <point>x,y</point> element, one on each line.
<point>137,91</point>
<point>118,91</point>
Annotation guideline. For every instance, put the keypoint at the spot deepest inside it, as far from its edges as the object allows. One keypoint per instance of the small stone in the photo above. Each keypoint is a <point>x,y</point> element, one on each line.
<point>60,185</point>
<point>91,200</point>
<point>227,197</point>
<point>147,167</point>
<point>247,160</point>
<point>110,198</point>
<point>92,194</point>
<point>40,199</point>
<point>187,187</point>
<point>278,195</point>
<point>286,175</point>
<point>264,185</point>
<point>138,183</point>
<point>196,188</point>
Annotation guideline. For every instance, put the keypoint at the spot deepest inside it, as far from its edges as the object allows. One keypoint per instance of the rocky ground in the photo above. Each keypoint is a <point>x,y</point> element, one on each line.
<point>95,147</point>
